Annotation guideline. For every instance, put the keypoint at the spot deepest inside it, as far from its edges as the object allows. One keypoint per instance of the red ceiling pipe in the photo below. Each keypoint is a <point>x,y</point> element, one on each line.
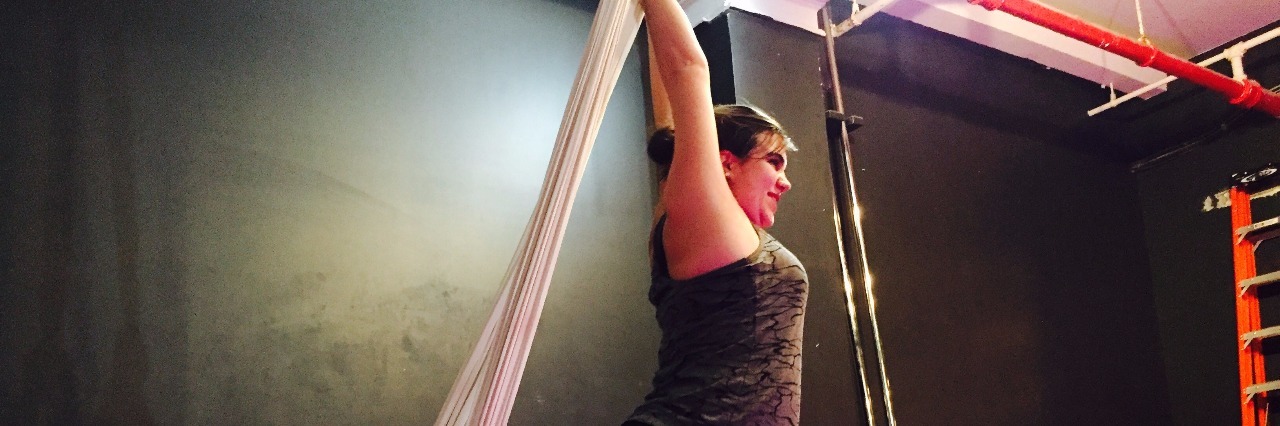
<point>1246,94</point>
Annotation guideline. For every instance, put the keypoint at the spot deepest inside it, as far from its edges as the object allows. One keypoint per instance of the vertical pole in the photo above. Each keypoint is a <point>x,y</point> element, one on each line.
<point>853,260</point>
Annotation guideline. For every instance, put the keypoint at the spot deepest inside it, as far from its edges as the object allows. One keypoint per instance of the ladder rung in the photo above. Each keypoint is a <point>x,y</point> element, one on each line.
<point>1259,280</point>
<point>1260,231</point>
<point>1252,391</point>
<point>1261,334</point>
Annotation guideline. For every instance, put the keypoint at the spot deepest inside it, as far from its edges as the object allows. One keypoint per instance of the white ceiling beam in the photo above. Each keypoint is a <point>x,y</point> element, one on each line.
<point>796,13</point>
<point>1015,36</point>
<point>997,30</point>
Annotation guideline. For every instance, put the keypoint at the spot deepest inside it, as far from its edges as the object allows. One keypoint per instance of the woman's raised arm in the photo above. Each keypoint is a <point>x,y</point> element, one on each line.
<point>705,227</point>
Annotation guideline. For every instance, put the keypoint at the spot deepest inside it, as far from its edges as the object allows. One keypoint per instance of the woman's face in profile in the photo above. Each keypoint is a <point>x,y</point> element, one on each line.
<point>758,181</point>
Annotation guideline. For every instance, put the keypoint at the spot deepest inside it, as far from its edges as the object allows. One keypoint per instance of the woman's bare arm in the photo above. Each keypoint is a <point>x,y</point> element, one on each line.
<point>705,228</point>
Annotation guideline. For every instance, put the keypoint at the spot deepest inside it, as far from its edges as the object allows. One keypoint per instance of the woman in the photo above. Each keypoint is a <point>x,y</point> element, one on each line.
<point>730,299</point>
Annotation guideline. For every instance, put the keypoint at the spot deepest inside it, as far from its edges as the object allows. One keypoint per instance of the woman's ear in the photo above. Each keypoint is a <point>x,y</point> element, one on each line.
<point>728,161</point>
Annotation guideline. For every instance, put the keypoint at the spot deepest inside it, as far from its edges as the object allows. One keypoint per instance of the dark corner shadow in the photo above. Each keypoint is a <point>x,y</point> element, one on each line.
<point>46,390</point>
<point>125,402</point>
<point>958,78</point>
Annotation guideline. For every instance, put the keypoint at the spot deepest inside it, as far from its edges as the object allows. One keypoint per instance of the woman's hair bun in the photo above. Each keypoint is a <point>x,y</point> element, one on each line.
<point>662,146</point>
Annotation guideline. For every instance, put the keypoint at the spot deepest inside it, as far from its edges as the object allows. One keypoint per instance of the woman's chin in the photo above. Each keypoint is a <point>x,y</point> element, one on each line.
<point>764,221</point>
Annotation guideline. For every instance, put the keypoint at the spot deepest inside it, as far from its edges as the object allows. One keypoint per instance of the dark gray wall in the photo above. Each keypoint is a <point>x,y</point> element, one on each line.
<point>1009,266</point>
<point>1188,232</point>
<point>300,212</point>
<point>1034,265</point>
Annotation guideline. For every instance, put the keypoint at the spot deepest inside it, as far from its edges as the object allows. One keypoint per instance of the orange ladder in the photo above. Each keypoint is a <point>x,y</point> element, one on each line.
<point>1253,383</point>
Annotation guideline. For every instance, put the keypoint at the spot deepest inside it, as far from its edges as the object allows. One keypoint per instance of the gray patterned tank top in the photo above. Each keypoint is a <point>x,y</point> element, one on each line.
<point>731,341</point>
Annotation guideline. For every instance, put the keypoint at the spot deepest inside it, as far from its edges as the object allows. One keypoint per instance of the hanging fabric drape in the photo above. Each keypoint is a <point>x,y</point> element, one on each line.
<point>486,388</point>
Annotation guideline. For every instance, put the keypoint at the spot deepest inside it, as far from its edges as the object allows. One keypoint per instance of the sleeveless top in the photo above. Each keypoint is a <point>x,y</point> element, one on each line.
<point>731,341</point>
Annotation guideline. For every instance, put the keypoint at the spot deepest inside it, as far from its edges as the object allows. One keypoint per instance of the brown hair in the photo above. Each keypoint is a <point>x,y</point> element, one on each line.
<point>739,130</point>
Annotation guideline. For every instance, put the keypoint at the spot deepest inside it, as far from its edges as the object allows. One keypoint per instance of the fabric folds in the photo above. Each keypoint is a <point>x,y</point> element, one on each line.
<point>486,387</point>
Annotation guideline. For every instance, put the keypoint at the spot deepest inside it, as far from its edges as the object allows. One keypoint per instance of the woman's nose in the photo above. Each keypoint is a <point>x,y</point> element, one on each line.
<point>784,184</point>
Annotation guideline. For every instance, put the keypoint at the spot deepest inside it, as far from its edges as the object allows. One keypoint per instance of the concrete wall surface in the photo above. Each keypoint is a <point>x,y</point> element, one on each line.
<point>288,212</point>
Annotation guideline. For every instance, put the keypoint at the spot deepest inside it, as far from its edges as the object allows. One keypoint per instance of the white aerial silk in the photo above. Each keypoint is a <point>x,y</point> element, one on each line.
<point>486,388</point>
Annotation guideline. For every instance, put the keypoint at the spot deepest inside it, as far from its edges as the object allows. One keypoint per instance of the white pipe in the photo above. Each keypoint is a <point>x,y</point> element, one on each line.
<point>862,15</point>
<point>1242,46</point>
<point>1235,54</point>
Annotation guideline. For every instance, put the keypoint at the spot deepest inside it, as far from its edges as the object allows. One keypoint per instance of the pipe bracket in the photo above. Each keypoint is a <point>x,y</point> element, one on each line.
<point>1249,95</point>
<point>1235,55</point>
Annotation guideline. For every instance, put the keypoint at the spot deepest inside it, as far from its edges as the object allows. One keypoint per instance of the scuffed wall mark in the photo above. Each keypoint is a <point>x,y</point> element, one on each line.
<point>340,358</point>
<point>334,348</point>
<point>444,321</point>
<point>248,159</point>
<point>1222,199</point>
